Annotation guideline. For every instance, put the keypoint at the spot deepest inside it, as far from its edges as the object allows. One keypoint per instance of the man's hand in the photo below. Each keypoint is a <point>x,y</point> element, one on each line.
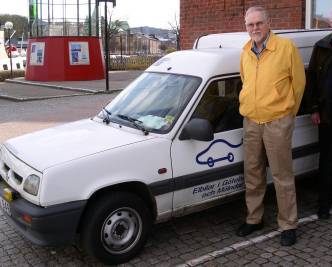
<point>315,118</point>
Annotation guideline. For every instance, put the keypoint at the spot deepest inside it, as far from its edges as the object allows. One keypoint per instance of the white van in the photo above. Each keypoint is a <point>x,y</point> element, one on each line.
<point>167,145</point>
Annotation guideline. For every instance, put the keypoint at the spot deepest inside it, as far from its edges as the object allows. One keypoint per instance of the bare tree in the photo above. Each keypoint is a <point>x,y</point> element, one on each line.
<point>175,28</point>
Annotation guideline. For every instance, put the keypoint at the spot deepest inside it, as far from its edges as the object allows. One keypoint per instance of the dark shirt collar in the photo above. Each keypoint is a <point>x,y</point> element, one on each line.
<point>255,49</point>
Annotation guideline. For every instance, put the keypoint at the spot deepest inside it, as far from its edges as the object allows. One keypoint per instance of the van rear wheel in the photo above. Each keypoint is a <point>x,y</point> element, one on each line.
<point>116,227</point>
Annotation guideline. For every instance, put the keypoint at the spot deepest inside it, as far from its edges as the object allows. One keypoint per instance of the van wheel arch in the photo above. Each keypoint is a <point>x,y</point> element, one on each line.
<point>137,188</point>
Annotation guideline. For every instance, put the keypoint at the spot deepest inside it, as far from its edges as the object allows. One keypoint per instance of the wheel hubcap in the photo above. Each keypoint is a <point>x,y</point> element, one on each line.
<point>121,230</point>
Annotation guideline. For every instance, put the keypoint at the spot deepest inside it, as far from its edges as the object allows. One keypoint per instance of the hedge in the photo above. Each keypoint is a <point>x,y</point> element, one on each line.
<point>5,74</point>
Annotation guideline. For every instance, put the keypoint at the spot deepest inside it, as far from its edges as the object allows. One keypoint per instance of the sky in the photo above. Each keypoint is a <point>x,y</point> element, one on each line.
<point>323,7</point>
<point>154,13</point>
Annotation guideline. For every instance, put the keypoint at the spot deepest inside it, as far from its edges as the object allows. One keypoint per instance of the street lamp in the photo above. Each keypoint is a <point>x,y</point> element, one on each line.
<point>9,27</point>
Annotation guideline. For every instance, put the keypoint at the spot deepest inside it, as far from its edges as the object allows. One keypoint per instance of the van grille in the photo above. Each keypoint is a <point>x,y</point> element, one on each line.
<point>6,167</point>
<point>17,178</point>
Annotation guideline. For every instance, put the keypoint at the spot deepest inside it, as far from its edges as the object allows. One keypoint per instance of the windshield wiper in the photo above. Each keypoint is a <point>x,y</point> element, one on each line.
<point>107,118</point>
<point>137,123</point>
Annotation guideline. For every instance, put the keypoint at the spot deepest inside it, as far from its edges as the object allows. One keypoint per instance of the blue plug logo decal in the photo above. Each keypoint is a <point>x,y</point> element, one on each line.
<point>211,161</point>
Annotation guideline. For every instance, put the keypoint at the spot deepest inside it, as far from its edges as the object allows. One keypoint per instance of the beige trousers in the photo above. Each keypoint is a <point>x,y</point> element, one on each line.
<point>270,141</point>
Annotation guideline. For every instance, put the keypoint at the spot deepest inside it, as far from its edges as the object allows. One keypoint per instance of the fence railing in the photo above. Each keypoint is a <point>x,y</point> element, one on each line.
<point>132,62</point>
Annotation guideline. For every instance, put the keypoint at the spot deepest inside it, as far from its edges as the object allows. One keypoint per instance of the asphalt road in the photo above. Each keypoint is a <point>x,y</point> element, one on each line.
<point>17,118</point>
<point>195,240</point>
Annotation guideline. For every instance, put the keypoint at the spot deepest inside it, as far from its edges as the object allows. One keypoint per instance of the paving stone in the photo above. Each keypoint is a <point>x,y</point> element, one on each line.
<point>242,261</point>
<point>289,258</point>
<point>5,259</point>
<point>322,249</point>
<point>285,264</point>
<point>281,253</point>
<point>211,264</point>
<point>260,261</point>
<point>300,262</point>
<point>269,264</point>
<point>222,260</point>
<point>270,249</point>
<point>158,252</point>
<point>232,256</point>
<point>7,264</point>
<point>153,260</point>
<point>308,250</point>
<point>214,239</point>
<point>187,256</point>
<point>275,259</point>
<point>252,264</point>
<point>313,260</point>
<point>162,264</point>
<point>303,255</point>
<point>327,258</point>
<point>231,264</point>
<point>250,256</point>
<point>266,255</point>
<point>317,254</point>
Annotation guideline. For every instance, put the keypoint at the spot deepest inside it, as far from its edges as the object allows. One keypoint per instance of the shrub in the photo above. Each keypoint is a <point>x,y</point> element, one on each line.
<point>5,74</point>
<point>170,50</point>
<point>132,62</point>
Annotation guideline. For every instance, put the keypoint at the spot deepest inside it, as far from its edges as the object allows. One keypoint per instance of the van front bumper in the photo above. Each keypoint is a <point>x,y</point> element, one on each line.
<point>51,226</point>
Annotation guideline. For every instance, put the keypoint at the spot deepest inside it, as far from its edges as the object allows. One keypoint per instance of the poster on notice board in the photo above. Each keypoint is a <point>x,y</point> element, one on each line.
<point>79,53</point>
<point>37,53</point>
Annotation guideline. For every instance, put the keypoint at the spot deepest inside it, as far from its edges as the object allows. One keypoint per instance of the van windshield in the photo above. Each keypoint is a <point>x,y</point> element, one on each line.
<point>154,101</point>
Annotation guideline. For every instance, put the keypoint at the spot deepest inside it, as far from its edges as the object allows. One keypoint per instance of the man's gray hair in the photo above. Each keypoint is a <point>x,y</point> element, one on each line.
<point>259,9</point>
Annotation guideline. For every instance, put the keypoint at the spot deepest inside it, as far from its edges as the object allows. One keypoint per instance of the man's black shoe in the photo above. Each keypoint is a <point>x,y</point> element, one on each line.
<point>288,237</point>
<point>247,228</point>
<point>323,214</point>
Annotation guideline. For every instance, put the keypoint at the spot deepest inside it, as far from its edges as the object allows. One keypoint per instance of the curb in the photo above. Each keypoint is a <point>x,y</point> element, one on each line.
<point>53,86</point>
<point>22,99</point>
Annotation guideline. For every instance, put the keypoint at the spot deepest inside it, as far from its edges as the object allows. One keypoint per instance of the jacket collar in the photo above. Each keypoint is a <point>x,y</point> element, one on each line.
<point>326,42</point>
<point>270,45</point>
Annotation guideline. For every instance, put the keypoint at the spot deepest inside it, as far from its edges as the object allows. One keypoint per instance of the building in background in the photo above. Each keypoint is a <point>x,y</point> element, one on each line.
<point>142,41</point>
<point>214,16</point>
<point>125,43</point>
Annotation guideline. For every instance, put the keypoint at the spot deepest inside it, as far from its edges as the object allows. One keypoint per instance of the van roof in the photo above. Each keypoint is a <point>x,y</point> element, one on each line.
<point>204,63</point>
<point>219,54</point>
<point>301,37</point>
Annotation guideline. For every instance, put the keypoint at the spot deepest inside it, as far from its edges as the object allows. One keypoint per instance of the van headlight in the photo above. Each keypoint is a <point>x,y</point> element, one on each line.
<point>31,184</point>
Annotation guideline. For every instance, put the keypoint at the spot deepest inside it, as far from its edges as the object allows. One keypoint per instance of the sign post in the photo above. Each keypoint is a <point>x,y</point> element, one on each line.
<point>107,56</point>
<point>9,27</point>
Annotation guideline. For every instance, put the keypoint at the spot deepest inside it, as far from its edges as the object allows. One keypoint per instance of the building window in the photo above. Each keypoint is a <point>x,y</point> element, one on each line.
<point>318,13</point>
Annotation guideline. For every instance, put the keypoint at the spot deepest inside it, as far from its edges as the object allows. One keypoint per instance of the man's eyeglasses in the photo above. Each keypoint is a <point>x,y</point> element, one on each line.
<point>258,24</point>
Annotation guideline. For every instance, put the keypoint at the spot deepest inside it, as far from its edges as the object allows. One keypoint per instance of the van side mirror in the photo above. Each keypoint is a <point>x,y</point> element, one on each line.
<point>197,129</point>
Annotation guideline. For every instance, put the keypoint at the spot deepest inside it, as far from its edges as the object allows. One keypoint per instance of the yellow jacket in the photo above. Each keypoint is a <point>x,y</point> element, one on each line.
<point>273,85</point>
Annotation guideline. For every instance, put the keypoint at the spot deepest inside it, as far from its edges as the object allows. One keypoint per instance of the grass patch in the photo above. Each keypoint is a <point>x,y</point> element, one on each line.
<point>5,74</point>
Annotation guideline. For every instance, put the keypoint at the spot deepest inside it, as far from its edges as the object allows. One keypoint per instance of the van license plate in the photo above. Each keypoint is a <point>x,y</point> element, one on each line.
<point>5,206</point>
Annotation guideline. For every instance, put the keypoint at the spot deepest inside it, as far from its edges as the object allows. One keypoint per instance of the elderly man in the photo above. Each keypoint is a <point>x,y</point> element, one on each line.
<point>273,79</point>
<point>320,96</point>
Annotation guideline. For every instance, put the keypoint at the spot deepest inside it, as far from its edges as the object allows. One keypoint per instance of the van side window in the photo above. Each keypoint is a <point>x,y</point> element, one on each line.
<point>220,105</point>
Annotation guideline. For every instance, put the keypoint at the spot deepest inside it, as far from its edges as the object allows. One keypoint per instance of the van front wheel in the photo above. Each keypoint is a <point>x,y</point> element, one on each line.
<point>116,227</point>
